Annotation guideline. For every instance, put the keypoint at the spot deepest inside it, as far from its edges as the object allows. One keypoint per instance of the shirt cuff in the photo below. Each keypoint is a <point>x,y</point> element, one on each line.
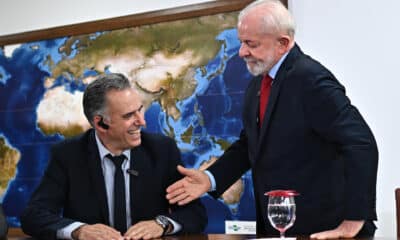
<point>177,226</point>
<point>212,180</point>
<point>66,232</point>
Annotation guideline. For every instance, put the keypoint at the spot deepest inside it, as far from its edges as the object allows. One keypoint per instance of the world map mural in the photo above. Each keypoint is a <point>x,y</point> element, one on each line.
<point>188,72</point>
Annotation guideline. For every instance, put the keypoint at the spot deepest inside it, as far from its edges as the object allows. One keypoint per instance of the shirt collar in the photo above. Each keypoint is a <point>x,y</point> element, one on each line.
<point>103,151</point>
<point>274,70</point>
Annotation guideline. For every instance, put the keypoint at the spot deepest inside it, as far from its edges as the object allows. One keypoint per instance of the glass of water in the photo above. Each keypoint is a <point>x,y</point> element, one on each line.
<point>281,209</point>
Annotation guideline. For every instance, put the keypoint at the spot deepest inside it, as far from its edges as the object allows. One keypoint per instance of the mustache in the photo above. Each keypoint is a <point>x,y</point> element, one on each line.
<point>250,59</point>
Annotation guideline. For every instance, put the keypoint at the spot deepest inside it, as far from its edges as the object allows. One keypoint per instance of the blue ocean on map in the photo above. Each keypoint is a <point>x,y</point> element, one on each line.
<point>213,112</point>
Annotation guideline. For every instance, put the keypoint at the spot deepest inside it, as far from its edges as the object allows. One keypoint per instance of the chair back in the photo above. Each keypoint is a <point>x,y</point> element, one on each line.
<point>3,224</point>
<point>397,195</point>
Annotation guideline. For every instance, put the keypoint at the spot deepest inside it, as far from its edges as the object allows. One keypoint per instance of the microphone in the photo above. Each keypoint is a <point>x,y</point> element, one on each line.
<point>133,172</point>
<point>258,93</point>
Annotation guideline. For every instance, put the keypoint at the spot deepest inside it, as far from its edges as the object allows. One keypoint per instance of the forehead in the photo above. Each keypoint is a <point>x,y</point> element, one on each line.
<point>123,100</point>
<point>249,27</point>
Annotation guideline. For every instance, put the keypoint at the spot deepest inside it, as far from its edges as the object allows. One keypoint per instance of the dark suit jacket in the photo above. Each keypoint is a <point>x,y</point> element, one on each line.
<point>73,188</point>
<point>312,140</point>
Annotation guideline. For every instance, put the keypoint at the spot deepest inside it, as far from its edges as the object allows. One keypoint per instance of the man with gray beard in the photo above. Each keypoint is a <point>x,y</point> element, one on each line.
<point>300,132</point>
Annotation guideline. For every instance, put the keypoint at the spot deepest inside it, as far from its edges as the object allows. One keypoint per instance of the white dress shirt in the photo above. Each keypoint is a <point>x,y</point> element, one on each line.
<point>108,172</point>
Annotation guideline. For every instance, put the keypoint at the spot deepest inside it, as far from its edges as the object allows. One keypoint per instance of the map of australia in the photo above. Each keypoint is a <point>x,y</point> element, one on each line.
<point>187,71</point>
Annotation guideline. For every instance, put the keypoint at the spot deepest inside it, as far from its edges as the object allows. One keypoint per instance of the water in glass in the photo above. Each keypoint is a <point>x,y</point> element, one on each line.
<point>281,209</point>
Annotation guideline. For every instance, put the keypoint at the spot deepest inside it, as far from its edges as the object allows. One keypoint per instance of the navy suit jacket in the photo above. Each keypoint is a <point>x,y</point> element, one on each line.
<point>73,188</point>
<point>312,140</point>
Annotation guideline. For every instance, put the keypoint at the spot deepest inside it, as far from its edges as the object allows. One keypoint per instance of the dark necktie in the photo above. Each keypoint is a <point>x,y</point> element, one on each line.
<point>119,194</point>
<point>264,95</point>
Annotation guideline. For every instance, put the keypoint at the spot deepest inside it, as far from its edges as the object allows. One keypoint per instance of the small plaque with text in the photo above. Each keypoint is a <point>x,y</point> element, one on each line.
<point>240,227</point>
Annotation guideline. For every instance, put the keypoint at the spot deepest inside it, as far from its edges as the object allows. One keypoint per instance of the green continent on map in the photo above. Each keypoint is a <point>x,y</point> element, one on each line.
<point>160,59</point>
<point>170,38</point>
<point>9,158</point>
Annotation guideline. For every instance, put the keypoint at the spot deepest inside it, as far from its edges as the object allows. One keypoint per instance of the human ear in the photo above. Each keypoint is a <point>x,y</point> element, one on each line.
<point>284,41</point>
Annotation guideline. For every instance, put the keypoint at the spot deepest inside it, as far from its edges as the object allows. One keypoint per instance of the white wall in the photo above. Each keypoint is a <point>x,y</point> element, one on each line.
<point>356,39</point>
<point>20,15</point>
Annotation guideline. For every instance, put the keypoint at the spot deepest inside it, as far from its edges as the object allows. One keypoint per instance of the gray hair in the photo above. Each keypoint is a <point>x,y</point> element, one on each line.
<point>277,20</point>
<point>94,97</point>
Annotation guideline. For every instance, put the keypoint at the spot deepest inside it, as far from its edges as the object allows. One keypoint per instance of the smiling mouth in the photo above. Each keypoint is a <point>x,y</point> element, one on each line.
<point>134,132</point>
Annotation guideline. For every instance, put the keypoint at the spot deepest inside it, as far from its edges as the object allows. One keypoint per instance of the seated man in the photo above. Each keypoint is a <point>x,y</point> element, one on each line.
<point>109,182</point>
<point>3,224</point>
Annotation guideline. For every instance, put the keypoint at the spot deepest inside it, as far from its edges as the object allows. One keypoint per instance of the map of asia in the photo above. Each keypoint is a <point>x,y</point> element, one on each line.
<point>188,72</point>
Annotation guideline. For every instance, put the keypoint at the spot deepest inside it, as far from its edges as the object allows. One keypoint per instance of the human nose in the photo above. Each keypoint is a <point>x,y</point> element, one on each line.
<point>139,119</point>
<point>243,51</point>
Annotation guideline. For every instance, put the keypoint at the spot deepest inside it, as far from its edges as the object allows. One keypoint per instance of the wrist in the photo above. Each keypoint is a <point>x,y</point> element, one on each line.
<point>76,233</point>
<point>164,223</point>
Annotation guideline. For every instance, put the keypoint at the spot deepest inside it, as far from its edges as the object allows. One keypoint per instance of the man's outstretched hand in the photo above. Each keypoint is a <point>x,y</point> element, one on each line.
<point>192,186</point>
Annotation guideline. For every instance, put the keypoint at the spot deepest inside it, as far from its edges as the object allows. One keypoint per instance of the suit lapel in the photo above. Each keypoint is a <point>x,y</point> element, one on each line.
<point>273,98</point>
<point>274,95</point>
<point>139,161</point>
<point>96,175</point>
<point>251,113</point>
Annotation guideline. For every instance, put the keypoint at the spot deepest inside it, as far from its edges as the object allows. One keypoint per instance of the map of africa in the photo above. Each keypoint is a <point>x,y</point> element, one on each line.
<point>188,72</point>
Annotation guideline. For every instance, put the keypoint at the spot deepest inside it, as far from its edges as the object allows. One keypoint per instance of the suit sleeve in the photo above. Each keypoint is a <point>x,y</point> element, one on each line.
<point>231,165</point>
<point>332,116</point>
<point>192,216</point>
<point>42,216</point>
